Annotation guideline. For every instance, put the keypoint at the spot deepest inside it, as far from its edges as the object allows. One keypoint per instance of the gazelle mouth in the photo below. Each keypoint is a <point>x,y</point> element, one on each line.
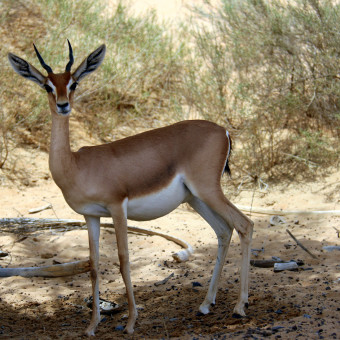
<point>63,109</point>
<point>64,112</point>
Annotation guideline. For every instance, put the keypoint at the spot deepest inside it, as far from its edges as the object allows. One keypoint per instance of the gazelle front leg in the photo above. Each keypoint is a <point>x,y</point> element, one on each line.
<point>93,226</point>
<point>120,223</point>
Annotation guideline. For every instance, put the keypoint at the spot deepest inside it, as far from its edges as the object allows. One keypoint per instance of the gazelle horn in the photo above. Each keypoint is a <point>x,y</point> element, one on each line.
<point>43,64</point>
<point>70,63</point>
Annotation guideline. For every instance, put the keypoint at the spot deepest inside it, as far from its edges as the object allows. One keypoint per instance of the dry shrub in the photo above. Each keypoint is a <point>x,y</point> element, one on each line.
<point>270,67</point>
<point>266,70</point>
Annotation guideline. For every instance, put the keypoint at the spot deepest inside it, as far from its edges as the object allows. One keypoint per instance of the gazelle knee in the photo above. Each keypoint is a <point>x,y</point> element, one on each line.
<point>247,233</point>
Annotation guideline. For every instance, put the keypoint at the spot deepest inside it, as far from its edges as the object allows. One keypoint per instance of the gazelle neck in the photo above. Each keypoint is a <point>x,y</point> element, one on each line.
<point>61,159</point>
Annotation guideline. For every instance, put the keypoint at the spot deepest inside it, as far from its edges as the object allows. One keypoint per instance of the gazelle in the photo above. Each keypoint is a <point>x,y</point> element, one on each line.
<point>140,178</point>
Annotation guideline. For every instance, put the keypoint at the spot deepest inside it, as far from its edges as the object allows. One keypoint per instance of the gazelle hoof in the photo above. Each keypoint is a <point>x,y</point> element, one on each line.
<point>204,309</point>
<point>128,330</point>
<point>239,311</point>
<point>89,332</point>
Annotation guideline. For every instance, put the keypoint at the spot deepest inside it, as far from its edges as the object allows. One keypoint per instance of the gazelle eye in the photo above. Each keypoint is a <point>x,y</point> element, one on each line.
<point>48,88</point>
<point>73,86</point>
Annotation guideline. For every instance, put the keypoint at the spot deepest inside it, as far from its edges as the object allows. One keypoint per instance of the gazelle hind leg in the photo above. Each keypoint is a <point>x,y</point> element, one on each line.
<point>120,224</point>
<point>93,226</point>
<point>234,218</point>
<point>242,301</point>
<point>223,232</point>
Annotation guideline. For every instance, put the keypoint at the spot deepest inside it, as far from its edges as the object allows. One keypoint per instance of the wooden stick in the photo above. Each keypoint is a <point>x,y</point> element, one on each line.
<point>264,263</point>
<point>286,212</point>
<point>300,244</point>
<point>57,270</point>
<point>36,210</point>
<point>164,281</point>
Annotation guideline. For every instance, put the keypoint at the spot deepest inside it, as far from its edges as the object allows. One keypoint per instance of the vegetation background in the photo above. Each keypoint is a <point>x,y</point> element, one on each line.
<point>267,70</point>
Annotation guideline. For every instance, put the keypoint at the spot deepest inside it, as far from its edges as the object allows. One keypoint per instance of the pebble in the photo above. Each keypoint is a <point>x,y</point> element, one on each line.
<point>3,253</point>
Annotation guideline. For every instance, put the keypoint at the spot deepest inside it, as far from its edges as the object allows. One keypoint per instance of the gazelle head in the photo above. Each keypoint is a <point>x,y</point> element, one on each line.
<point>60,87</point>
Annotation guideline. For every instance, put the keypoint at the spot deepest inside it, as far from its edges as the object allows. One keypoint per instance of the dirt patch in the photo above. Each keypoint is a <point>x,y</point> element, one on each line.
<point>302,304</point>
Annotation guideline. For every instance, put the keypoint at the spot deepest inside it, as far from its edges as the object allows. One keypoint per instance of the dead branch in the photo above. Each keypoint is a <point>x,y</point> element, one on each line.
<point>78,267</point>
<point>34,224</point>
<point>56,270</point>
<point>286,212</point>
<point>272,262</point>
<point>36,210</point>
<point>164,281</point>
<point>264,263</point>
<point>300,244</point>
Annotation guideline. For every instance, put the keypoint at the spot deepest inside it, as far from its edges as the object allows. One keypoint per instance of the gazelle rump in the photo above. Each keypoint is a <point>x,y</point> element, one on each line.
<point>140,177</point>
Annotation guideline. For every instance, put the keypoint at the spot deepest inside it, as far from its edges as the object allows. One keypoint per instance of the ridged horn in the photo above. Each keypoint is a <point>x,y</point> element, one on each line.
<point>43,64</point>
<point>70,63</point>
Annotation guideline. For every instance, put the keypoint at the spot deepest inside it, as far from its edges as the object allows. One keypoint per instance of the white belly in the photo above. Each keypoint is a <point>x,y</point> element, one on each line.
<point>158,203</point>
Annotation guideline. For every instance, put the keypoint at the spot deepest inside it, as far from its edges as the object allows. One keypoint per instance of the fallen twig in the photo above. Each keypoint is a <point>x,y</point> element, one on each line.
<point>36,210</point>
<point>264,263</point>
<point>56,270</point>
<point>300,244</point>
<point>66,224</point>
<point>164,281</point>
<point>286,212</point>
<point>271,263</point>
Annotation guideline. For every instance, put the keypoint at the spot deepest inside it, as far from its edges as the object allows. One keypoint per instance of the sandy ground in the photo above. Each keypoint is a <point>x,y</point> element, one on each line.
<point>302,304</point>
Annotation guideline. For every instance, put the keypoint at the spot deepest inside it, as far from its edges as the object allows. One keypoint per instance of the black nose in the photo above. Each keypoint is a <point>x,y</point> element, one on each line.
<point>62,106</point>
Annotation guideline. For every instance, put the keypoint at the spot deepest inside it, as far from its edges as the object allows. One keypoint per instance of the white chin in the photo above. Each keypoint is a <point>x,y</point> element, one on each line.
<point>64,112</point>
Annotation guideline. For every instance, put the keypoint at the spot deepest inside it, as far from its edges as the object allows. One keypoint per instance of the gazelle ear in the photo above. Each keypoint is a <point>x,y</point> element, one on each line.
<point>26,70</point>
<point>90,64</point>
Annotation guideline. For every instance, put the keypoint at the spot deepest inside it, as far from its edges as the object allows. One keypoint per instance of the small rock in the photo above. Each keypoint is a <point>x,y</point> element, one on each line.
<point>276,258</point>
<point>119,328</point>
<point>277,328</point>
<point>276,220</point>
<point>3,253</point>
